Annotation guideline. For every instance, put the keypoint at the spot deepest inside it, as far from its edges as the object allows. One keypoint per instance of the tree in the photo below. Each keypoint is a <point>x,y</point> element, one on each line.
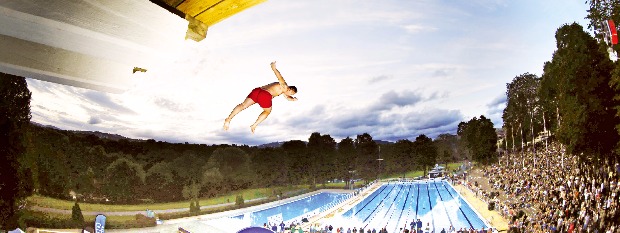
<point>213,182</point>
<point>159,183</point>
<point>271,166</point>
<point>188,167</point>
<point>578,76</point>
<point>480,139</point>
<point>615,84</point>
<point>425,152</point>
<point>321,149</point>
<point>447,147</point>
<point>297,152</point>
<point>346,159</point>
<point>124,177</point>
<point>401,161</point>
<point>523,107</point>
<point>367,155</point>
<point>191,192</point>
<point>15,116</point>
<point>76,214</point>
<point>234,166</point>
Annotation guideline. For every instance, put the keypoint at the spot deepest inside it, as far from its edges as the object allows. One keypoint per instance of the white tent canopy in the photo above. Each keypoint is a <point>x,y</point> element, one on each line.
<point>17,230</point>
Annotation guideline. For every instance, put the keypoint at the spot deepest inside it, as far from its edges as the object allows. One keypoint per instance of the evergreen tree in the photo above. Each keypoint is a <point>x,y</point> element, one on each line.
<point>402,160</point>
<point>76,214</point>
<point>297,152</point>
<point>578,76</point>
<point>15,182</point>
<point>615,84</point>
<point>522,115</point>
<point>321,149</point>
<point>425,152</point>
<point>367,155</point>
<point>480,139</point>
<point>346,159</point>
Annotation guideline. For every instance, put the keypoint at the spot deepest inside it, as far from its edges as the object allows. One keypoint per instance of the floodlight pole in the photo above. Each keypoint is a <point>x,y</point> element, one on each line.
<point>379,159</point>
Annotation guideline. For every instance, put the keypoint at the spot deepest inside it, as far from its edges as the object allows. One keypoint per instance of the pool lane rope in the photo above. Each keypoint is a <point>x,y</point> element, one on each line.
<point>377,207</point>
<point>372,199</point>
<point>443,203</point>
<point>403,209</point>
<point>428,191</point>
<point>463,212</point>
<point>390,207</point>
<point>417,202</point>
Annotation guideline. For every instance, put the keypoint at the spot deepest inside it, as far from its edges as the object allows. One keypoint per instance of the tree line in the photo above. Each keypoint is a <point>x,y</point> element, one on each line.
<point>575,100</point>
<point>63,164</point>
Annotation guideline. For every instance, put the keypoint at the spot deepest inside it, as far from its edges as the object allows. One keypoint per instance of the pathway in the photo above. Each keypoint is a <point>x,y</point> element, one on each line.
<point>129,213</point>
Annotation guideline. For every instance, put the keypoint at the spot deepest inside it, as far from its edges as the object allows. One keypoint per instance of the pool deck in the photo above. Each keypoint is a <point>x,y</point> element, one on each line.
<point>493,217</point>
<point>340,208</point>
<point>199,223</point>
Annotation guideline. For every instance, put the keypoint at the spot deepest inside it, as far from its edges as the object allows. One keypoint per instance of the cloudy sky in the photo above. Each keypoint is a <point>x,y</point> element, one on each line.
<point>393,69</point>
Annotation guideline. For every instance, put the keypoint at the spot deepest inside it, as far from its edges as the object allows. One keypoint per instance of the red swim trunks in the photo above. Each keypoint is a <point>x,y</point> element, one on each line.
<point>262,97</point>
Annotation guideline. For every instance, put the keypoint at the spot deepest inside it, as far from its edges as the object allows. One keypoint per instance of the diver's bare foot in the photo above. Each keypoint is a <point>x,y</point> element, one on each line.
<point>226,123</point>
<point>253,127</point>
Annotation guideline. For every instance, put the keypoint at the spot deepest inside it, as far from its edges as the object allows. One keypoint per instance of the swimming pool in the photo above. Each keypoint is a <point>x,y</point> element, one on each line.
<point>294,210</point>
<point>395,205</point>
<point>287,212</point>
<point>392,205</point>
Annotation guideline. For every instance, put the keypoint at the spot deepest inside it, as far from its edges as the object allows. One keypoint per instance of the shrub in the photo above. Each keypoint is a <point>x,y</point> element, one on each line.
<point>76,214</point>
<point>192,208</point>
<point>64,221</point>
<point>144,221</point>
<point>44,220</point>
<point>239,201</point>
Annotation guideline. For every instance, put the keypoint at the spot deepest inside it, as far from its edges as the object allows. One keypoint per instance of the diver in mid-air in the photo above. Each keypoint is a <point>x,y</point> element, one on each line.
<point>262,96</point>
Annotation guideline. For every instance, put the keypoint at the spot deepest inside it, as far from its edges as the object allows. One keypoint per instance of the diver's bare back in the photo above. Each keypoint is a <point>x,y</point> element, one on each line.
<point>274,88</point>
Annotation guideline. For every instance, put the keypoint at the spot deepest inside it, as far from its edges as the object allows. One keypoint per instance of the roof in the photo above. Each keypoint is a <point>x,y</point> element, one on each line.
<point>102,44</point>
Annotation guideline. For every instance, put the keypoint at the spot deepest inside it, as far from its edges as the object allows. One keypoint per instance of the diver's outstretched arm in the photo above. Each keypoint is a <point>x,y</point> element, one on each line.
<point>280,78</point>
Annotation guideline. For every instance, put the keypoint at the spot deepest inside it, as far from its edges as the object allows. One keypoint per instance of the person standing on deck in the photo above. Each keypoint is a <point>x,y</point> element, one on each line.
<point>419,225</point>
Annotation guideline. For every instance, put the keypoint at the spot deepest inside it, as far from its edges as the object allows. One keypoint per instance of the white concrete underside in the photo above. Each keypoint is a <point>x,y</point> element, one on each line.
<point>89,43</point>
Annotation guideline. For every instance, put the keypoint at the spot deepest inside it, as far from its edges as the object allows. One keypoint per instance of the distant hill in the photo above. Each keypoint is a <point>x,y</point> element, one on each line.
<point>381,142</point>
<point>271,145</point>
<point>279,144</point>
<point>45,126</point>
<point>114,137</point>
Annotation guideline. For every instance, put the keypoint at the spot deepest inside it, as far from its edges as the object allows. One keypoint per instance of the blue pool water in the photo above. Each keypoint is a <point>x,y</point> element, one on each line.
<point>294,210</point>
<point>395,205</point>
<point>392,206</point>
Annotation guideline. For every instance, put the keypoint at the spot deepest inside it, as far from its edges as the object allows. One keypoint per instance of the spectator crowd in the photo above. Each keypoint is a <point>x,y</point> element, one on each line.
<point>550,191</point>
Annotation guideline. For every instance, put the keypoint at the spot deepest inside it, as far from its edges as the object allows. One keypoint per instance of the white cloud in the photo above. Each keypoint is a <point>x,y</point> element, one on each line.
<point>395,69</point>
<point>416,28</point>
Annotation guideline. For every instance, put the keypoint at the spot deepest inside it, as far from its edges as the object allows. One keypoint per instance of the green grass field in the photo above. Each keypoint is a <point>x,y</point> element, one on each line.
<point>411,174</point>
<point>248,194</point>
<point>340,185</point>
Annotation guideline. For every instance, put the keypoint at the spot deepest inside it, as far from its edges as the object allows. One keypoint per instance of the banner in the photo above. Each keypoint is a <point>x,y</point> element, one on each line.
<point>100,224</point>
